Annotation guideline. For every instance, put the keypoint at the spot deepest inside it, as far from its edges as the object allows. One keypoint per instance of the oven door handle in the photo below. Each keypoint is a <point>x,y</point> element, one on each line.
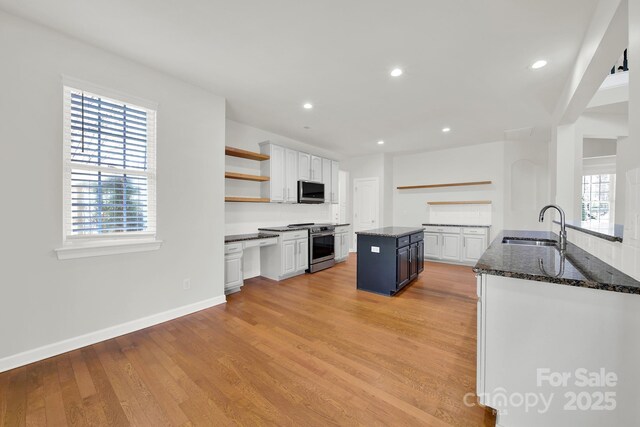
<point>322,235</point>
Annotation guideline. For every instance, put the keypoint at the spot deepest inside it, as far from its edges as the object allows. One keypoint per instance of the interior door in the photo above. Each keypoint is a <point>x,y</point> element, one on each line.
<point>366,215</point>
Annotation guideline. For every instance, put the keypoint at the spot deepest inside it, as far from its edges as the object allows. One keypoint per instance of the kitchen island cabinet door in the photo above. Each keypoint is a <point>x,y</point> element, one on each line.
<point>420,257</point>
<point>403,267</point>
<point>413,261</point>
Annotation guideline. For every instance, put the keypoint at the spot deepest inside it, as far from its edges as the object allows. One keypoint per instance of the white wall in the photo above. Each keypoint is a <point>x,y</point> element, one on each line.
<point>526,185</point>
<point>569,155</point>
<point>518,171</point>
<point>370,166</point>
<point>482,162</point>
<point>248,217</point>
<point>44,300</point>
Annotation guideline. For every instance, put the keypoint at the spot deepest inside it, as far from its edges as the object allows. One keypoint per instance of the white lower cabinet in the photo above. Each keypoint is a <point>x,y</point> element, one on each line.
<point>455,244</point>
<point>233,279</point>
<point>233,252</point>
<point>341,243</point>
<point>473,247</point>
<point>432,245</point>
<point>451,247</point>
<point>302,254</point>
<point>288,258</point>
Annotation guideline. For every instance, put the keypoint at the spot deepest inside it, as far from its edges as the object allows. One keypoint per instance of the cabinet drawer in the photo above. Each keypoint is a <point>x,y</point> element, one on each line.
<point>260,242</point>
<point>292,235</point>
<point>417,237</point>
<point>232,248</point>
<point>475,231</point>
<point>404,241</point>
<point>342,229</point>
<point>442,229</point>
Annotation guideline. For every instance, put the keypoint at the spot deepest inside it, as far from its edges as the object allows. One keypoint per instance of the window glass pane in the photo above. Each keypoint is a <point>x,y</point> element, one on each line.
<point>109,173</point>
<point>108,203</point>
<point>107,133</point>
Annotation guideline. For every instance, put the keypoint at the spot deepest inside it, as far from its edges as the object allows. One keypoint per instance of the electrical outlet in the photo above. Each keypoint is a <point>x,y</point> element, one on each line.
<point>186,284</point>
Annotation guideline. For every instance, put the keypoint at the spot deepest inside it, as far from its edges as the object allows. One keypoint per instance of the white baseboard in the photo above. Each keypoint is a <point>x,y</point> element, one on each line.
<point>50,350</point>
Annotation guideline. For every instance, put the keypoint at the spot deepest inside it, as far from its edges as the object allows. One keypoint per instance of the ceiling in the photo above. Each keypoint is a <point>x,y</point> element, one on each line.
<point>466,63</point>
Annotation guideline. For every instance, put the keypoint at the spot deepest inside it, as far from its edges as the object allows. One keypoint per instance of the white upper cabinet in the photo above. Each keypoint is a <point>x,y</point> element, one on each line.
<point>316,168</point>
<point>326,179</point>
<point>286,166</point>
<point>335,168</point>
<point>291,176</point>
<point>304,166</point>
<point>274,168</point>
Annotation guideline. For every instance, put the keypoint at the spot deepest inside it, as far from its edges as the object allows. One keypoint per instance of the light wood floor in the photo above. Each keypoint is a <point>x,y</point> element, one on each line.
<point>308,351</point>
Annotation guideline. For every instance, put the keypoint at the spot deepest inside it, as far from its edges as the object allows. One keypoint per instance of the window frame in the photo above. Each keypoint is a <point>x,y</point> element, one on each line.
<point>88,245</point>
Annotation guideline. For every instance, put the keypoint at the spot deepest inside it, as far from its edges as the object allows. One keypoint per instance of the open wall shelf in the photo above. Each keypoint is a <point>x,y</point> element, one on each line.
<point>244,154</point>
<point>455,184</point>
<point>245,177</point>
<point>462,202</point>
<point>247,199</point>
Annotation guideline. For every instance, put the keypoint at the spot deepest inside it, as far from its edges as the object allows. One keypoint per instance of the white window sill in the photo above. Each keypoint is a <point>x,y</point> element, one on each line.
<point>91,249</point>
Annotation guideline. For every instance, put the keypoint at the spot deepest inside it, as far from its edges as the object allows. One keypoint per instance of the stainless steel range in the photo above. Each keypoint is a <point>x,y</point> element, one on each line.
<point>321,245</point>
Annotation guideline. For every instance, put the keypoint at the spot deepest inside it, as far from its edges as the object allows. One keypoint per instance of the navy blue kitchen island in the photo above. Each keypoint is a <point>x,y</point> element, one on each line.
<point>389,258</point>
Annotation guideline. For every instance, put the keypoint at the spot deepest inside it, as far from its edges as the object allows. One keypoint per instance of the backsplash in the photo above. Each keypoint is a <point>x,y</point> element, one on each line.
<point>248,217</point>
<point>459,214</point>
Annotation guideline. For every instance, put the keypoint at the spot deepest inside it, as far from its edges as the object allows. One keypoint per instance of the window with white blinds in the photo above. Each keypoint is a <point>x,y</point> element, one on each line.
<point>109,167</point>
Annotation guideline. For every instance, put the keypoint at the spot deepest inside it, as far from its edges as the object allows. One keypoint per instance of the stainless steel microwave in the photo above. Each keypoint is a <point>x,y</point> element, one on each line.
<point>310,192</point>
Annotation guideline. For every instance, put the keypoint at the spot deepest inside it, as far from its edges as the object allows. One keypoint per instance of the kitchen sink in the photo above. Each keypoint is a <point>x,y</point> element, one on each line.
<point>529,242</point>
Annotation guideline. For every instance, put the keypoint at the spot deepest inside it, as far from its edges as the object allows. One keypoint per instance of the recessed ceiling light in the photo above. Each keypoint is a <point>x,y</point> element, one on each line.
<point>307,106</point>
<point>539,64</point>
<point>396,72</point>
<point>380,142</point>
<point>445,130</point>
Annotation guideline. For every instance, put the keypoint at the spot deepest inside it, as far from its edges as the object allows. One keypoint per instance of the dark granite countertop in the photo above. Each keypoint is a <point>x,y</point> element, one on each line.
<point>544,264</point>
<point>610,232</point>
<point>391,231</point>
<point>282,229</point>
<point>242,237</point>
<point>457,225</point>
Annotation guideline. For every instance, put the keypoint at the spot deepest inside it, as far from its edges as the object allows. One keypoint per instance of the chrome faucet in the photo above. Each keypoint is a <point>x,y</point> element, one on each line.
<point>562,243</point>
